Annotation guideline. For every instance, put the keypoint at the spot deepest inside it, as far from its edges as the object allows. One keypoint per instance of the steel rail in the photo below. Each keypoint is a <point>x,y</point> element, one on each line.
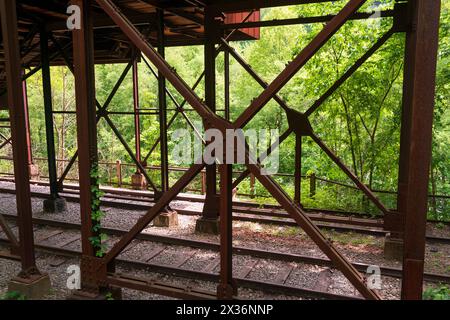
<point>197,275</point>
<point>238,250</point>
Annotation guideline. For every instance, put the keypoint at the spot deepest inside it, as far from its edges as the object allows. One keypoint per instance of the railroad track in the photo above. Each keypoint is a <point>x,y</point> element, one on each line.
<point>199,260</point>
<point>242,211</point>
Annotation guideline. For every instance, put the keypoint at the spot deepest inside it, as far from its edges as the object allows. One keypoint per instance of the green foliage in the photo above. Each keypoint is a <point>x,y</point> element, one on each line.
<point>439,293</point>
<point>109,296</point>
<point>13,295</point>
<point>99,238</point>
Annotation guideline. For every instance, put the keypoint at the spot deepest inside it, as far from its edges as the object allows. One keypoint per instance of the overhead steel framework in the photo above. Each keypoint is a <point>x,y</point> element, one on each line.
<point>35,36</point>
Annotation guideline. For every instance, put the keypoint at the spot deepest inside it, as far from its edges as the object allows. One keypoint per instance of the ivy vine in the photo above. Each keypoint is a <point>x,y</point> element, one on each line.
<point>99,238</point>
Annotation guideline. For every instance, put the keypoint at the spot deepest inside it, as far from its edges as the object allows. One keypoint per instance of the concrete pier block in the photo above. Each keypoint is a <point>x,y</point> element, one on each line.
<point>57,205</point>
<point>207,225</point>
<point>166,219</point>
<point>32,288</point>
<point>393,248</point>
<point>138,181</point>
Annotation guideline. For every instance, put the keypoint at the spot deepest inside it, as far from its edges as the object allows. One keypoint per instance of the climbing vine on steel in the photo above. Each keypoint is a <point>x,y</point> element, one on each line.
<point>99,238</point>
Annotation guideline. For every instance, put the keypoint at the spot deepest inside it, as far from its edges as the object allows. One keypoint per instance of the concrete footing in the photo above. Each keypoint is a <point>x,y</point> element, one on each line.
<point>138,181</point>
<point>35,287</point>
<point>56,205</point>
<point>207,225</point>
<point>113,293</point>
<point>393,248</point>
<point>34,171</point>
<point>166,219</point>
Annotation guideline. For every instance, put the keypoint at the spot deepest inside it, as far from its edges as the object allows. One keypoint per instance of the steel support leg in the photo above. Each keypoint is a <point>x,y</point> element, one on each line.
<point>226,288</point>
<point>227,82</point>
<point>162,107</point>
<point>55,203</point>
<point>137,120</point>
<point>83,61</point>
<point>29,278</point>
<point>421,58</point>
<point>168,217</point>
<point>138,179</point>
<point>210,209</point>
<point>298,169</point>
<point>18,131</point>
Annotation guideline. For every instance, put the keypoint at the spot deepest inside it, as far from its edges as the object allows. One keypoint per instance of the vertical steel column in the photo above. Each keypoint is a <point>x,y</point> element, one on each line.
<point>226,58</point>
<point>137,120</point>
<point>47,91</point>
<point>421,58</point>
<point>18,132</point>
<point>298,169</point>
<point>83,61</point>
<point>162,107</point>
<point>226,288</point>
<point>210,209</point>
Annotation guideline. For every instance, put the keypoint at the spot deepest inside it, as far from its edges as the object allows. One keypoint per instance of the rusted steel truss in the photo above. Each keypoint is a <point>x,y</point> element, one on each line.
<point>212,120</point>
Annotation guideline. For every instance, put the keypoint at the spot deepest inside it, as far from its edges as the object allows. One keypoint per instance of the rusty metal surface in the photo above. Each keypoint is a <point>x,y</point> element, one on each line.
<point>18,132</point>
<point>83,63</point>
<point>421,48</point>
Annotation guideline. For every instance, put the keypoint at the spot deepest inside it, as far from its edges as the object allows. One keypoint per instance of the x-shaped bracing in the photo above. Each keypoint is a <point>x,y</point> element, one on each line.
<point>299,123</point>
<point>103,113</point>
<point>219,123</point>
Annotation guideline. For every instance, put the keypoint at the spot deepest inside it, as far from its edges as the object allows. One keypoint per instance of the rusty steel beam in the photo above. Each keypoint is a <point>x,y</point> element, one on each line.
<point>159,288</point>
<point>421,55</point>
<point>226,66</point>
<point>162,102</point>
<point>226,288</point>
<point>210,208</point>
<point>302,58</point>
<point>243,5</point>
<point>83,69</point>
<point>137,120</point>
<point>349,173</point>
<point>298,170</point>
<point>19,135</point>
<point>48,108</point>
<point>15,245</point>
<point>6,142</point>
<point>306,20</point>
